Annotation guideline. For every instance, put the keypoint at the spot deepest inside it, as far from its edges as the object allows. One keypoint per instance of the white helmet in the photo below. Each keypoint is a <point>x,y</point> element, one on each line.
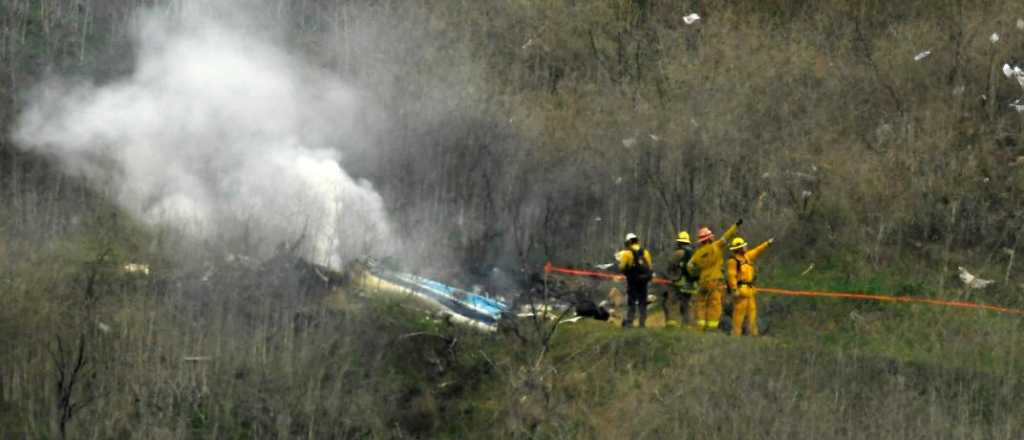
<point>631,236</point>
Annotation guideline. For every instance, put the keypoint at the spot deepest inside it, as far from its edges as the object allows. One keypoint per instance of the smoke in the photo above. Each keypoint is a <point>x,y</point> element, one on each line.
<point>215,132</point>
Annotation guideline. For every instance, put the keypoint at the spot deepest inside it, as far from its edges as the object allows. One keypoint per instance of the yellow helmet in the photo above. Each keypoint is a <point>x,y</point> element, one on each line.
<point>684,237</point>
<point>738,243</point>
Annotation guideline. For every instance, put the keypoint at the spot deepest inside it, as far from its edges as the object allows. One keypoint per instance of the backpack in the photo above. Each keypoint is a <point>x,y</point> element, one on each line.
<point>639,270</point>
<point>739,271</point>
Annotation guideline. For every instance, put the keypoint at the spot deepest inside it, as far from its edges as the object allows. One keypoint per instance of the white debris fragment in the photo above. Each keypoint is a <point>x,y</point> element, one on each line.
<point>1014,72</point>
<point>136,268</point>
<point>103,327</point>
<point>1020,24</point>
<point>808,270</point>
<point>994,38</point>
<point>972,281</point>
<point>570,320</point>
<point>529,42</point>
<point>654,137</point>
<point>691,19</point>
<point>806,194</point>
<point>629,142</point>
<point>618,180</point>
<point>959,90</point>
<point>1018,105</point>
<point>597,219</point>
<point>922,55</point>
<point>605,266</point>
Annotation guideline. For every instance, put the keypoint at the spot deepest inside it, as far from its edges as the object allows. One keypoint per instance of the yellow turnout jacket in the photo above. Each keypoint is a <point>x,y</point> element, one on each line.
<point>741,267</point>
<point>707,259</point>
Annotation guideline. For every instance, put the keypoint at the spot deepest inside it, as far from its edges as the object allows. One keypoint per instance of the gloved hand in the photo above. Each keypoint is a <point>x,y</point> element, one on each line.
<point>739,222</point>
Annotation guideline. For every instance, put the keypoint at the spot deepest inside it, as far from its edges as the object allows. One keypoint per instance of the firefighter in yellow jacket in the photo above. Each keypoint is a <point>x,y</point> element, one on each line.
<point>741,276</point>
<point>635,263</point>
<point>707,261</point>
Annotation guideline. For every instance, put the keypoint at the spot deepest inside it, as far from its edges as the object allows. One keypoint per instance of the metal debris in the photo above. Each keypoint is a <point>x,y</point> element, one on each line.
<point>922,55</point>
<point>972,281</point>
<point>136,268</point>
<point>1014,72</point>
<point>691,19</point>
<point>1018,105</point>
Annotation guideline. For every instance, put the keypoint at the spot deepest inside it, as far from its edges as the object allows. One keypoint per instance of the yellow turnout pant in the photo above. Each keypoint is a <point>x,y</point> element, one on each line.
<point>707,306</point>
<point>744,307</point>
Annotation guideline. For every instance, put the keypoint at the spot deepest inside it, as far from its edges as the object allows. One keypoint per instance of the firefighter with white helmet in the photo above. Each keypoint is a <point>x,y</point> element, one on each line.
<point>636,264</point>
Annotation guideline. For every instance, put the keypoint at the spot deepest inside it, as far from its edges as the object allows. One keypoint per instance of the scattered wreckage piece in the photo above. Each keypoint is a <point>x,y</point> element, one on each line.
<point>456,305</point>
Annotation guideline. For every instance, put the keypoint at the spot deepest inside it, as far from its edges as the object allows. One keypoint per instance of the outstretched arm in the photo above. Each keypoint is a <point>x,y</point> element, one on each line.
<point>753,253</point>
<point>729,234</point>
<point>732,232</point>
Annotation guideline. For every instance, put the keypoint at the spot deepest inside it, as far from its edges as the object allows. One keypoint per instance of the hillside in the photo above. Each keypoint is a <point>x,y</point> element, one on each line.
<point>186,186</point>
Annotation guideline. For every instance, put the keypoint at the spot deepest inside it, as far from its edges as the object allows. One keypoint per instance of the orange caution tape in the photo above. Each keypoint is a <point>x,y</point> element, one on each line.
<point>549,268</point>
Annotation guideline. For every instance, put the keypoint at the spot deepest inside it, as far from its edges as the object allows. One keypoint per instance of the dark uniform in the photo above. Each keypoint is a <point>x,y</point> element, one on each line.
<point>635,263</point>
<point>682,287</point>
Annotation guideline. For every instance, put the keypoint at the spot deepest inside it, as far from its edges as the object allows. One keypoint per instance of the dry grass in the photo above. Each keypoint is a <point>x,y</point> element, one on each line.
<point>607,383</point>
<point>809,119</point>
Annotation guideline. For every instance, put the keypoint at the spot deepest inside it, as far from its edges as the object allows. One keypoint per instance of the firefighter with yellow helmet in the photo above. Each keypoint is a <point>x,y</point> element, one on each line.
<point>707,262</point>
<point>741,276</point>
<point>681,288</point>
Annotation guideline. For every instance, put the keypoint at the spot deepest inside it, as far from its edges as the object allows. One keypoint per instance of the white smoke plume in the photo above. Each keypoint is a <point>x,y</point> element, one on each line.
<point>216,132</point>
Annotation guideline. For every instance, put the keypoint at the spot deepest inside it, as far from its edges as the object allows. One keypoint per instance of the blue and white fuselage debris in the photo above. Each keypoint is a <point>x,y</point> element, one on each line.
<point>476,310</point>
